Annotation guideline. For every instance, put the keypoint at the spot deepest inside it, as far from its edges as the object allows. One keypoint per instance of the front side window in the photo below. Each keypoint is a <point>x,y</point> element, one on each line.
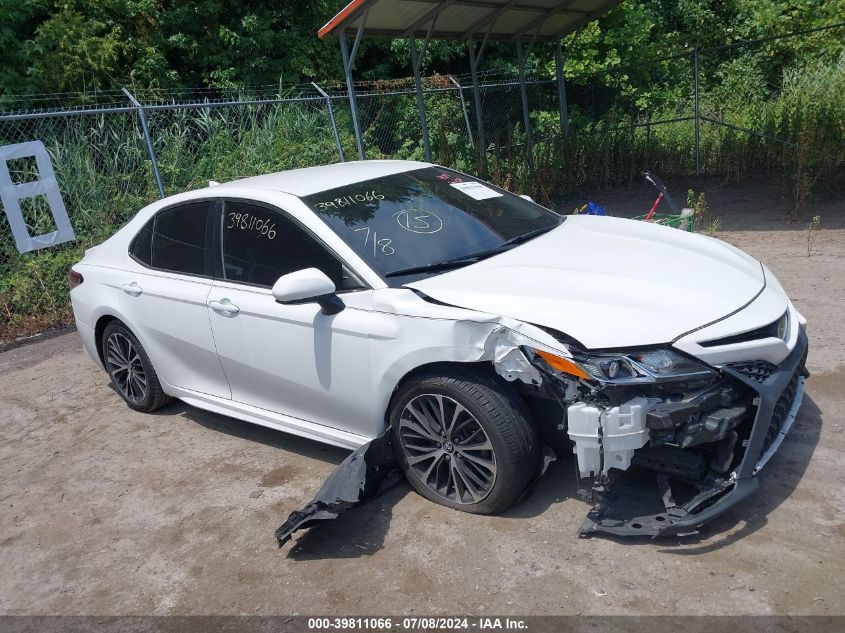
<point>260,245</point>
<point>407,221</point>
<point>179,239</point>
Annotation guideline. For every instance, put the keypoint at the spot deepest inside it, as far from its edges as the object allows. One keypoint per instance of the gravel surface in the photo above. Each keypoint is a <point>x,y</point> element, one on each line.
<point>108,511</point>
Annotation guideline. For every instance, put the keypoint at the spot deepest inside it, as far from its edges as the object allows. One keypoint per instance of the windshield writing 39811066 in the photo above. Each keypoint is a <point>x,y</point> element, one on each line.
<point>349,199</point>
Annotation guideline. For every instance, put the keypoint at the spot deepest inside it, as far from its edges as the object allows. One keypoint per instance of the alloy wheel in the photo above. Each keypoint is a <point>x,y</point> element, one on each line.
<point>125,367</point>
<point>447,449</point>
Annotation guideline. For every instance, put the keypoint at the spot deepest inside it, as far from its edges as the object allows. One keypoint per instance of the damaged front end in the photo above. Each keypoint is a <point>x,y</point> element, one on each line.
<point>668,442</point>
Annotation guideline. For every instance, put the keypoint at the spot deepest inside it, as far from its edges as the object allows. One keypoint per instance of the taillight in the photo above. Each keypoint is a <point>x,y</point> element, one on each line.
<point>74,279</point>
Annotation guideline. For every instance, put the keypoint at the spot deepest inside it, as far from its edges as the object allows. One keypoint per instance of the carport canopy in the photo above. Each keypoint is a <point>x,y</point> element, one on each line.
<point>522,22</point>
<point>548,20</point>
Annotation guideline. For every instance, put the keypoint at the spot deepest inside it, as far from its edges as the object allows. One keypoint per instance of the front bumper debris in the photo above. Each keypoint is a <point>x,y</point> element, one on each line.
<point>363,475</point>
<point>627,507</point>
<point>368,472</point>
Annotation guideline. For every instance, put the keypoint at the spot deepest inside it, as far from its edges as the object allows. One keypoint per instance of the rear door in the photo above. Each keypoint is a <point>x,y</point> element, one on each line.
<point>165,294</point>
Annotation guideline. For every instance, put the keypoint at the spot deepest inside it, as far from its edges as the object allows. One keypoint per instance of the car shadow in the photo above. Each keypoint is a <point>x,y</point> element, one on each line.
<point>361,531</point>
<point>256,433</point>
<point>358,532</point>
<point>559,483</point>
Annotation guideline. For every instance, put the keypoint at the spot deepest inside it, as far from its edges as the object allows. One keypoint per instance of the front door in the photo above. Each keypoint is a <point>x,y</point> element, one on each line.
<point>290,359</point>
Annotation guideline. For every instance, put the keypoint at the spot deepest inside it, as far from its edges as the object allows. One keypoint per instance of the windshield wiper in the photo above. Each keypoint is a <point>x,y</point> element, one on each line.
<point>465,260</point>
<point>519,239</point>
<point>429,268</point>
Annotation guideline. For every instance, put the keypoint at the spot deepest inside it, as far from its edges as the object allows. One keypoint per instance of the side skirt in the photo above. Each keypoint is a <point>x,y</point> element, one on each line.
<point>269,419</point>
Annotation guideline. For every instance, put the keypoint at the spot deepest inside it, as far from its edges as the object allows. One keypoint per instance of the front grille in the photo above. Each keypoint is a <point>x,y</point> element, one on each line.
<point>781,410</point>
<point>758,370</point>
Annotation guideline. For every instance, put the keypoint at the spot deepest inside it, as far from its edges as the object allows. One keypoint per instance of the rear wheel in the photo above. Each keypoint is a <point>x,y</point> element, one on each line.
<point>130,369</point>
<point>464,440</point>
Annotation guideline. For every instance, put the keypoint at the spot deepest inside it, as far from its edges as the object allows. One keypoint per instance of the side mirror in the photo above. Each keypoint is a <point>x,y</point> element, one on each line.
<point>307,286</point>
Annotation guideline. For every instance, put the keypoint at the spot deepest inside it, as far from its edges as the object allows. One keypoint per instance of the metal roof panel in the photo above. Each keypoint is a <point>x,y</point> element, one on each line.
<point>457,19</point>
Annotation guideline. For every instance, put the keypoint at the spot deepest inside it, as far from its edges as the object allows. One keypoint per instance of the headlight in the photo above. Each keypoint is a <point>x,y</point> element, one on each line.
<point>647,366</point>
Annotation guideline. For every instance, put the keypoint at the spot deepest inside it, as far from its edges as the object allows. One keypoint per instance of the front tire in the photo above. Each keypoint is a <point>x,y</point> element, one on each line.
<point>131,372</point>
<point>464,440</point>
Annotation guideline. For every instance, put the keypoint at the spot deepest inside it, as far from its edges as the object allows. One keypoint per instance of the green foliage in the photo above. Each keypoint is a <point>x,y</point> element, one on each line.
<point>106,178</point>
<point>701,210</point>
<point>74,45</point>
<point>630,68</point>
<point>812,229</point>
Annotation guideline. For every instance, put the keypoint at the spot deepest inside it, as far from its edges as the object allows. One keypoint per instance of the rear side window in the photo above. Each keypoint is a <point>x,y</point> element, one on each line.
<point>179,239</point>
<point>260,245</point>
<point>141,247</point>
<point>175,240</point>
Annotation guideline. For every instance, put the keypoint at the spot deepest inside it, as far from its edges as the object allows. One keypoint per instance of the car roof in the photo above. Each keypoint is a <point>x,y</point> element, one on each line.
<point>310,180</point>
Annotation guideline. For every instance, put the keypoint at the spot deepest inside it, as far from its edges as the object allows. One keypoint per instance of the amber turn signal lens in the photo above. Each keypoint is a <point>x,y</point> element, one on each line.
<point>563,364</point>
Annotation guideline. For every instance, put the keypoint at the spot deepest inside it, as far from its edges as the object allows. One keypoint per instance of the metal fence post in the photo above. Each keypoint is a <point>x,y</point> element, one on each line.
<point>348,62</point>
<point>563,109</point>
<point>464,110</point>
<point>474,59</point>
<point>332,121</point>
<point>523,93</point>
<point>416,62</point>
<point>146,130</point>
<point>697,114</point>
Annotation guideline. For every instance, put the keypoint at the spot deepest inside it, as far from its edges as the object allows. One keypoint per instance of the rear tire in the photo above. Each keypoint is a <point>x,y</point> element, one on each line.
<point>464,440</point>
<point>131,372</point>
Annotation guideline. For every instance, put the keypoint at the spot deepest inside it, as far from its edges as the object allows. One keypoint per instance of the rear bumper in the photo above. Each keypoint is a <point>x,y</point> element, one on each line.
<point>780,395</point>
<point>86,333</point>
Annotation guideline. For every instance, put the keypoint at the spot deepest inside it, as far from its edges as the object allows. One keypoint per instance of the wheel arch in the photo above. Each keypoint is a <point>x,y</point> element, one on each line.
<point>483,368</point>
<point>99,328</point>
<point>100,325</point>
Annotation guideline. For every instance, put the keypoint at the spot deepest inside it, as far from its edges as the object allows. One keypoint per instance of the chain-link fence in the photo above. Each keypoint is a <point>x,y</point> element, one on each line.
<point>115,151</point>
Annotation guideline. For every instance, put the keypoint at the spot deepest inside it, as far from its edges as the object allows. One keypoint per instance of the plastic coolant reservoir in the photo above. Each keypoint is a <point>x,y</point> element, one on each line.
<point>623,432</point>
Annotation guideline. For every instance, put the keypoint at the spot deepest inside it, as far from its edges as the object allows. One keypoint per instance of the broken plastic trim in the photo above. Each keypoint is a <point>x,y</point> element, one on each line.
<point>363,475</point>
<point>367,473</point>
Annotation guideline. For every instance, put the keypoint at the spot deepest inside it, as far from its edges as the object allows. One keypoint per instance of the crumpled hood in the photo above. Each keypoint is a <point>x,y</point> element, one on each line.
<point>608,282</point>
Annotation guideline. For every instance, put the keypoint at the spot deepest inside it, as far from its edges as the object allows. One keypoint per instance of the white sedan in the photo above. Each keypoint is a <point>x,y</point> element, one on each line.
<point>337,302</point>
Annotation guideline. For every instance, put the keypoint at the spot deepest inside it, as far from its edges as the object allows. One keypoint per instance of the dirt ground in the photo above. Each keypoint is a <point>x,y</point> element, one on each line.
<point>107,511</point>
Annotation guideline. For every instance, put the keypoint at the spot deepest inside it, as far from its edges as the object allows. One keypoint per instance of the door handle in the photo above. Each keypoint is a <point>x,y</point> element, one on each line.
<point>132,289</point>
<point>224,307</point>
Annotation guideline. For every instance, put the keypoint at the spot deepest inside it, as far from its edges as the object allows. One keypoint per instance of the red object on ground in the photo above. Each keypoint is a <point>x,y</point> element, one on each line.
<point>654,207</point>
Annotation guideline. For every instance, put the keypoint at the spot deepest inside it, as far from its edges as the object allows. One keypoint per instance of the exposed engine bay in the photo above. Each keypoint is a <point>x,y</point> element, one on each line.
<point>653,458</point>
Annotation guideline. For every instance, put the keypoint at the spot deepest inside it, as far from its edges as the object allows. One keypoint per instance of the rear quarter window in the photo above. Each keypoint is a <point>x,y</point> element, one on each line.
<point>141,246</point>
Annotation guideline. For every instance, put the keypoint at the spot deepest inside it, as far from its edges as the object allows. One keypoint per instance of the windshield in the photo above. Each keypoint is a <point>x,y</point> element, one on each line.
<point>422,218</point>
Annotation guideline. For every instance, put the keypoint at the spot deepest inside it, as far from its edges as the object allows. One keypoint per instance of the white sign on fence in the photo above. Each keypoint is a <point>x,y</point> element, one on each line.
<point>11,195</point>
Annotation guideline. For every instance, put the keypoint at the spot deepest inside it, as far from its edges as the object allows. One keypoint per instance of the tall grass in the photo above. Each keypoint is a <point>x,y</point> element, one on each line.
<point>104,170</point>
<point>105,174</point>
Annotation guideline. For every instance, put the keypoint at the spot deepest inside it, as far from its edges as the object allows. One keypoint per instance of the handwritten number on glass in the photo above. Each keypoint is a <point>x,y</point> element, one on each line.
<point>382,245</point>
<point>248,222</point>
<point>417,221</point>
<point>350,200</point>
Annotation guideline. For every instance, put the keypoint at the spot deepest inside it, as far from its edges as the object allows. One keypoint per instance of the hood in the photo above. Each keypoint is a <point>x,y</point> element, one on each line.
<point>608,282</point>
